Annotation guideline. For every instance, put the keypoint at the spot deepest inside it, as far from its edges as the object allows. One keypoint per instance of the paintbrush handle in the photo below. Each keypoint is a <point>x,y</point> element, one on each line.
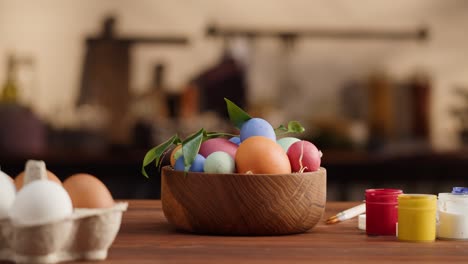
<point>352,212</point>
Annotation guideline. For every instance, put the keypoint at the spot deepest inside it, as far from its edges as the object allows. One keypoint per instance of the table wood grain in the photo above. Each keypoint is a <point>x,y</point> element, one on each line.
<point>146,237</point>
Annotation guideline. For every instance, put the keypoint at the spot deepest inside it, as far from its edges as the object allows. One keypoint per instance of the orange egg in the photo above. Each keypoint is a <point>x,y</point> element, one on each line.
<point>173,157</point>
<point>19,180</point>
<point>87,191</point>
<point>261,155</point>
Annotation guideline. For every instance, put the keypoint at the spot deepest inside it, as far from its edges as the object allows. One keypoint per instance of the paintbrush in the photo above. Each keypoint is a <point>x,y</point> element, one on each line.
<point>347,214</point>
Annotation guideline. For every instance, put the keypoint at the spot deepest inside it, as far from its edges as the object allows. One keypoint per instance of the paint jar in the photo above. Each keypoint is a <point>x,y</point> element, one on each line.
<point>452,216</point>
<point>417,217</point>
<point>381,211</point>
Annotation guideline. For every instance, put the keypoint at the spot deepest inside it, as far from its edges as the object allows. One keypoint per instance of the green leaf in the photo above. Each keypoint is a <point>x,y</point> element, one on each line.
<point>210,135</point>
<point>237,116</point>
<point>281,129</point>
<point>293,127</point>
<point>191,146</point>
<point>157,152</point>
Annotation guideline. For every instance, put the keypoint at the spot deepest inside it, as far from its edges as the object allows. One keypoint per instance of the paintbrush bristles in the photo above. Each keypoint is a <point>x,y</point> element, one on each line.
<point>332,220</point>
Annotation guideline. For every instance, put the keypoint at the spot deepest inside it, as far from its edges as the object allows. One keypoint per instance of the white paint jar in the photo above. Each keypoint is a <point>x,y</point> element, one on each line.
<point>452,215</point>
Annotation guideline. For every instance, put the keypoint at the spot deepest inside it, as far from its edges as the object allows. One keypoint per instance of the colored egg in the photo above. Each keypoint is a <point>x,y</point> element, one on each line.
<point>235,140</point>
<point>19,180</point>
<point>87,191</point>
<point>286,142</point>
<point>304,156</point>
<point>257,127</point>
<point>219,162</point>
<point>175,154</point>
<point>217,144</point>
<point>197,165</point>
<point>261,155</point>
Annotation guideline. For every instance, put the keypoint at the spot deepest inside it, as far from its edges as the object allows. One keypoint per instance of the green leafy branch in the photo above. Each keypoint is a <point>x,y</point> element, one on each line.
<point>293,127</point>
<point>156,153</point>
<point>190,148</point>
<point>236,114</point>
<point>191,144</point>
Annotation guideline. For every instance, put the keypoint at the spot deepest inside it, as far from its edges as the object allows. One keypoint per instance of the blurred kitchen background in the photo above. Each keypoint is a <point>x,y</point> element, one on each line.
<point>380,86</point>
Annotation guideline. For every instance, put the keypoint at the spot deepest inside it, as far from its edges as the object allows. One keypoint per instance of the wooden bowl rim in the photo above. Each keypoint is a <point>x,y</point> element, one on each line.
<point>320,171</point>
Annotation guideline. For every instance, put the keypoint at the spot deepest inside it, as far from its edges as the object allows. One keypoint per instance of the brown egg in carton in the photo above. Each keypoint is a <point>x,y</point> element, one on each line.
<point>85,234</point>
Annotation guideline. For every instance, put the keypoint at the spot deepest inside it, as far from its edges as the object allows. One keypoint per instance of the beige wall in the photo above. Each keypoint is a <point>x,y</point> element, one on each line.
<point>52,31</point>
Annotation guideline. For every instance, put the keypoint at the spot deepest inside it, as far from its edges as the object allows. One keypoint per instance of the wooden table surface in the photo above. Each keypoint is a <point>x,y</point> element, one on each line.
<point>146,237</point>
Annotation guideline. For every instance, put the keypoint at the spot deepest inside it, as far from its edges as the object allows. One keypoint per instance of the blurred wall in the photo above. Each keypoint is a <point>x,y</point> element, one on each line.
<point>53,32</point>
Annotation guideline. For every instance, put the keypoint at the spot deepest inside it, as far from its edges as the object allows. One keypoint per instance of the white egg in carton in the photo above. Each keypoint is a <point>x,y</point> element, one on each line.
<point>32,231</point>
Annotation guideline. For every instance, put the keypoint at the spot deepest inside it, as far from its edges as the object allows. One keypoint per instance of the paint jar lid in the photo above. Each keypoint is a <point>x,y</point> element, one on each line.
<point>417,201</point>
<point>382,195</point>
<point>460,190</point>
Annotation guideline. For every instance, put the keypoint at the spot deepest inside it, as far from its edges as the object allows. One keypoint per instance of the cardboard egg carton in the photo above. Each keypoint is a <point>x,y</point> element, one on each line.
<point>86,235</point>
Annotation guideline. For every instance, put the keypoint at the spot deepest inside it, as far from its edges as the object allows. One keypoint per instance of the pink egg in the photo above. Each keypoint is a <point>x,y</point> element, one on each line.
<point>218,144</point>
<point>304,156</point>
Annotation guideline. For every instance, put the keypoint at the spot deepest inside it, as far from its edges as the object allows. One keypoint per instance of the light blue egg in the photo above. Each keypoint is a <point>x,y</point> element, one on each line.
<point>197,165</point>
<point>219,162</point>
<point>257,127</point>
<point>235,140</point>
<point>286,142</point>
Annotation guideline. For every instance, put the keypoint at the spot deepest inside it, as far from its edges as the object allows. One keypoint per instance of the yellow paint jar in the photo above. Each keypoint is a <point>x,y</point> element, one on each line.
<point>417,217</point>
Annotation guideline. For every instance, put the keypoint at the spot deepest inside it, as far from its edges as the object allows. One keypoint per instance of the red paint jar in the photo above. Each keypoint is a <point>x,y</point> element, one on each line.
<point>382,211</point>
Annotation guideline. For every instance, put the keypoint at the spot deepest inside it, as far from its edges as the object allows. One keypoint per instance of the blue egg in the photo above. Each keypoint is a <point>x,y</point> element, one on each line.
<point>179,164</point>
<point>197,165</point>
<point>235,140</point>
<point>257,127</point>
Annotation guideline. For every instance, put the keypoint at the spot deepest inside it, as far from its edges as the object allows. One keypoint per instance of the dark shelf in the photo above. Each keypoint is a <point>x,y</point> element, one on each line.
<point>121,172</point>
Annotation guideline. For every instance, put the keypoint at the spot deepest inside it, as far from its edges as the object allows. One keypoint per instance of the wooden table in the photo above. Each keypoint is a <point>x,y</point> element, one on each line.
<point>146,237</point>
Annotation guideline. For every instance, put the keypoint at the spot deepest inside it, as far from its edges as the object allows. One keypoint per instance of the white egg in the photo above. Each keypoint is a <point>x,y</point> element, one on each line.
<point>7,194</point>
<point>41,202</point>
<point>219,162</point>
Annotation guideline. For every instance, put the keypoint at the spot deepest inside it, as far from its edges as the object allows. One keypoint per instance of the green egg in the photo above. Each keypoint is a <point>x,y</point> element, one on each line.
<point>219,162</point>
<point>286,142</point>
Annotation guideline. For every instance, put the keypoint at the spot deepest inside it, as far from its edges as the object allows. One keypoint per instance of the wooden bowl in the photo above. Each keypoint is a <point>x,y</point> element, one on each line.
<point>243,204</point>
